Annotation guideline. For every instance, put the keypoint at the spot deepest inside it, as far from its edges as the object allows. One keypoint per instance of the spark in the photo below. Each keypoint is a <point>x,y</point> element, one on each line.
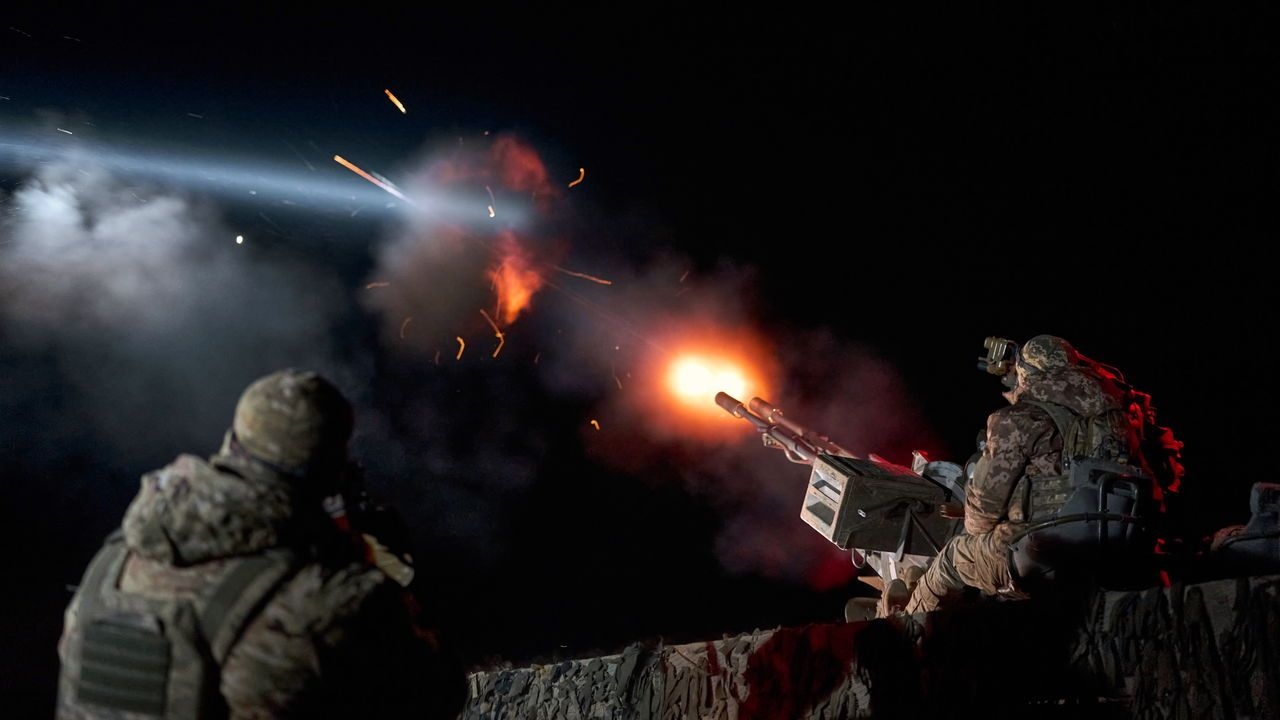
<point>616,378</point>
<point>685,275</point>
<point>405,325</point>
<point>348,165</point>
<point>66,131</point>
<point>584,276</point>
<point>582,173</point>
<point>373,285</point>
<point>395,100</point>
<point>492,200</point>
<point>490,211</point>
<point>194,115</point>
<point>437,360</point>
<point>536,357</point>
<point>462,345</point>
<point>239,239</point>
<point>595,424</point>
<point>498,333</point>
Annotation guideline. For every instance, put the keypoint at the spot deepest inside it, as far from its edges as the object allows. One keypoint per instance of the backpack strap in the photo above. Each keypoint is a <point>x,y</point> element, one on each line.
<point>241,594</point>
<point>1064,419</point>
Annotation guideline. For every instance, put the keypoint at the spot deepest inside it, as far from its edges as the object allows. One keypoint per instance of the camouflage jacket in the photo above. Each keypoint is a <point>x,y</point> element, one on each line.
<point>336,639</point>
<point>1022,441</point>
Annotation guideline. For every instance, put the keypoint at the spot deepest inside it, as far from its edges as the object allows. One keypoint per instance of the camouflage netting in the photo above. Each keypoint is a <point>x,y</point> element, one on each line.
<point>1208,650</point>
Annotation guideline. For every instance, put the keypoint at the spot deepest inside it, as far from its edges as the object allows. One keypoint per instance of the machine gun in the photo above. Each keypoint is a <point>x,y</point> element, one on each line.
<point>887,515</point>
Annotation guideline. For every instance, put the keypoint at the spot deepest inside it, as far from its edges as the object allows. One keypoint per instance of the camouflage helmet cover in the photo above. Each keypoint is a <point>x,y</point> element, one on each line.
<point>293,420</point>
<point>1044,353</point>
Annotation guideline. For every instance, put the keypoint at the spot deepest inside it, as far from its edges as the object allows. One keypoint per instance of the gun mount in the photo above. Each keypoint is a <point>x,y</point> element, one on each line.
<point>869,506</point>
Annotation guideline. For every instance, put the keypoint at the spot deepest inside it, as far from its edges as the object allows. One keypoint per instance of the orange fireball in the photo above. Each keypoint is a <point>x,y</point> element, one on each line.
<point>515,279</point>
<point>695,379</point>
<point>698,363</point>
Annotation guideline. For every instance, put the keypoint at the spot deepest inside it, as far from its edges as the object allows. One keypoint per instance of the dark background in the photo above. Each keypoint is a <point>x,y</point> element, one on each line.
<point>909,182</point>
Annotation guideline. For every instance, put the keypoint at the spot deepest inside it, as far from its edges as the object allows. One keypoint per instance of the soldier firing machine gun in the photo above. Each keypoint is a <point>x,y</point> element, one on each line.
<point>886,515</point>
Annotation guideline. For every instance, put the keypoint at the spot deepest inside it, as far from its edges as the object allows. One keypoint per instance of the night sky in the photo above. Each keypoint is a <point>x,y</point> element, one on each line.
<point>852,202</point>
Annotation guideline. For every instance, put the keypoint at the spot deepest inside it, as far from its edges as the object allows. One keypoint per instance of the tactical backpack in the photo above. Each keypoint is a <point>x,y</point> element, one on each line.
<point>159,657</point>
<point>1095,514</point>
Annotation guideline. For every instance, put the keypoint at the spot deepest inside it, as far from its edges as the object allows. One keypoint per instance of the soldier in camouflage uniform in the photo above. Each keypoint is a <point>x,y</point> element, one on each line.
<point>331,635</point>
<point>1023,443</point>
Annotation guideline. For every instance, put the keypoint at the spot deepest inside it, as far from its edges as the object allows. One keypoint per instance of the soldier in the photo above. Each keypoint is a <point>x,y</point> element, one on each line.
<point>1021,467</point>
<point>228,591</point>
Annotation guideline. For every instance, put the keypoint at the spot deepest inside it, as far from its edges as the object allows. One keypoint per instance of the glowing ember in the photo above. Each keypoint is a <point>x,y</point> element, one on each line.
<point>395,100</point>
<point>462,345</point>
<point>501,338</point>
<point>491,213</point>
<point>348,165</point>
<point>239,239</point>
<point>582,173</point>
<point>404,325</point>
<point>595,424</point>
<point>373,285</point>
<point>585,276</point>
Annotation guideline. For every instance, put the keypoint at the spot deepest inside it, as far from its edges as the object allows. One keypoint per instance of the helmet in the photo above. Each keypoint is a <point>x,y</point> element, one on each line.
<point>1044,353</point>
<point>294,421</point>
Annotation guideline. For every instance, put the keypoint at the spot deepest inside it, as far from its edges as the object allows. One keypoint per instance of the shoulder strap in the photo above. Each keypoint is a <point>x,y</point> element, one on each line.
<point>1044,495</point>
<point>242,592</point>
<point>1062,416</point>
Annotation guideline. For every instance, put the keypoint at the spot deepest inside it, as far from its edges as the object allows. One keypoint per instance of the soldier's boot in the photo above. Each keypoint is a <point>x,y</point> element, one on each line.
<point>859,609</point>
<point>894,598</point>
<point>911,576</point>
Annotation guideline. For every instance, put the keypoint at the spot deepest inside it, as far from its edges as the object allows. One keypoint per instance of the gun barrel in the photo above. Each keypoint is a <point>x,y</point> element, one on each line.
<point>772,415</point>
<point>729,403</point>
<point>769,412</point>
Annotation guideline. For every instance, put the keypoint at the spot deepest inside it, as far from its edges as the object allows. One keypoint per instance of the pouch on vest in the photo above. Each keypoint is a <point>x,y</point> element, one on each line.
<point>159,657</point>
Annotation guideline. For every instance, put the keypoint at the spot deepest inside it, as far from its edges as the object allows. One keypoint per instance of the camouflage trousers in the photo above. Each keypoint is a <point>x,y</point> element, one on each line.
<point>977,561</point>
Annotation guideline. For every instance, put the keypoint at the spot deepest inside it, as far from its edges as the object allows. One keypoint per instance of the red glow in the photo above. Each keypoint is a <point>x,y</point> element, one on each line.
<point>519,167</point>
<point>834,570</point>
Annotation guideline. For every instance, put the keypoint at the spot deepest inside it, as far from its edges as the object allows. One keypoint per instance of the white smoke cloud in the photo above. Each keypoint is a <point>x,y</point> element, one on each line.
<point>155,317</point>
